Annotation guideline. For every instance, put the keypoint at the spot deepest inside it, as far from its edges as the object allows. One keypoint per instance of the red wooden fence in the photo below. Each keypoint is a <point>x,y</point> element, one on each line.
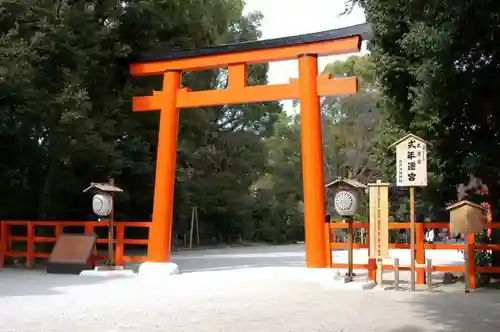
<point>31,239</point>
<point>420,247</point>
<point>30,228</point>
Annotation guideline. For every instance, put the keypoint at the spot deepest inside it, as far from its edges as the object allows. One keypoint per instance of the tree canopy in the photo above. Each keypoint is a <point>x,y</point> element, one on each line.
<point>437,64</point>
<point>65,113</point>
<point>66,120</point>
<point>438,78</point>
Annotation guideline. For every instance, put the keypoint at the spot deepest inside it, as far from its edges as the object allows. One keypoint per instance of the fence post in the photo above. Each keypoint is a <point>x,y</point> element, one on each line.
<point>58,231</point>
<point>429,274</point>
<point>471,252</point>
<point>372,269</point>
<point>89,228</point>
<point>420,252</point>
<point>30,243</point>
<point>119,244</point>
<point>396,274</point>
<point>4,234</point>
<point>380,272</point>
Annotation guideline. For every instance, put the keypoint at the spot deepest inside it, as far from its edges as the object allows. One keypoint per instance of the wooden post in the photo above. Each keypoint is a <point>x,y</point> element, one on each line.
<point>396,274</point>
<point>420,252</point>
<point>350,254</point>
<point>471,251</point>
<point>350,238</point>
<point>30,243</point>
<point>88,229</point>
<point>4,234</point>
<point>328,242</point>
<point>111,229</point>
<point>197,225</point>
<point>110,243</point>
<point>120,244</point>
<point>312,161</point>
<point>429,274</point>
<point>412,237</point>
<point>161,227</point>
<point>194,225</point>
<point>58,230</point>
<point>380,272</point>
<point>372,269</point>
<point>191,230</point>
<point>470,262</point>
<point>467,264</point>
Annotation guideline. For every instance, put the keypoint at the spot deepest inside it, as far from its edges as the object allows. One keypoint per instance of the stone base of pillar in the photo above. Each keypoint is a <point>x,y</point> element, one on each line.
<point>158,269</point>
<point>108,271</point>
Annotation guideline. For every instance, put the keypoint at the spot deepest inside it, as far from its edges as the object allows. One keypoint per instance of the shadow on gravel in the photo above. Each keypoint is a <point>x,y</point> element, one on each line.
<point>457,312</point>
<point>22,282</point>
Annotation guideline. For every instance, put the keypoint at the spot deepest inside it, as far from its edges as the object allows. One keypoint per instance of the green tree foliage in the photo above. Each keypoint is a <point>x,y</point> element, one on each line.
<point>351,124</point>
<point>66,120</point>
<point>439,76</point>
<point>351,127</point>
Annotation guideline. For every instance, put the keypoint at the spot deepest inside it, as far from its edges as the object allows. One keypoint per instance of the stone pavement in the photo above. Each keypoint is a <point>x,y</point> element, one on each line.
<point>257,299</point>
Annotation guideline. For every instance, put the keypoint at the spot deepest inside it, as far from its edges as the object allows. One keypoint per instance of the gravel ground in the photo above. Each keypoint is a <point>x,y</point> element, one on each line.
<point>259,299</point>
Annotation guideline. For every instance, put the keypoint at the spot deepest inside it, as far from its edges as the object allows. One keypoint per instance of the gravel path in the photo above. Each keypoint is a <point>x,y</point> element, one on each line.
<point>263,299</point>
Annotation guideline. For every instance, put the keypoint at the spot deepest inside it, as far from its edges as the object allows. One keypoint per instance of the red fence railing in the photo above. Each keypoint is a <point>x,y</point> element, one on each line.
<point>420,248</point>
<point>30,229</point>
<point>10,243</point>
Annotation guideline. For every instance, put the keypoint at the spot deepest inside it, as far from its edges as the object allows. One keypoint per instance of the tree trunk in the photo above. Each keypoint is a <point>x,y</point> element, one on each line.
<point>46,195</point>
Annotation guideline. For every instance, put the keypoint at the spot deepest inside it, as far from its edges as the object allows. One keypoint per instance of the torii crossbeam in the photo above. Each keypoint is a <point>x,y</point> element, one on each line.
<point>236,57</point>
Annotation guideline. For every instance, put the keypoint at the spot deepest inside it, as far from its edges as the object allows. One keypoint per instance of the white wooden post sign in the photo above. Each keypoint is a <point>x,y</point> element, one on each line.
<point>411,171</point>
<point>411,162</point>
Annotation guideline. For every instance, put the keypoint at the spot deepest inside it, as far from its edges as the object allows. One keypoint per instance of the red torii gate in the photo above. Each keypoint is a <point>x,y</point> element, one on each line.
<point>307,88</point>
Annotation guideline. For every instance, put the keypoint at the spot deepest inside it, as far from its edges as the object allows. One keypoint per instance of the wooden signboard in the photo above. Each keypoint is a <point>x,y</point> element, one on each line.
<point>72,254</point>
<point>411,161</point>
<point>411,171</point>
<point>379,219</point>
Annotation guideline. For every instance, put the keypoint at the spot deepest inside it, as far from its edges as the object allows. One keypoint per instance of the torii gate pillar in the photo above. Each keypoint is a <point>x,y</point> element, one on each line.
<point>312,162</point>
<point>161,231</point>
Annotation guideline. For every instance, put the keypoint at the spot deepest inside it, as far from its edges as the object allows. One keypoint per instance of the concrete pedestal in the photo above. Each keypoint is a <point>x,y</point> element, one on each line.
<point>103,271</point>
<point>158,269</point>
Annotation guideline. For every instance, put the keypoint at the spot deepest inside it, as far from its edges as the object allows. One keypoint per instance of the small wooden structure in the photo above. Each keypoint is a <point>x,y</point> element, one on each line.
<point>466,217</point>
<point>346,183</point>
<point>348,193</point>
<point>103,187</point>
<point>357,188</point>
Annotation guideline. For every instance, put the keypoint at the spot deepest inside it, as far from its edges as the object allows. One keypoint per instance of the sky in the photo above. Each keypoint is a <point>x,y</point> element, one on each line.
<point>284,18</point>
